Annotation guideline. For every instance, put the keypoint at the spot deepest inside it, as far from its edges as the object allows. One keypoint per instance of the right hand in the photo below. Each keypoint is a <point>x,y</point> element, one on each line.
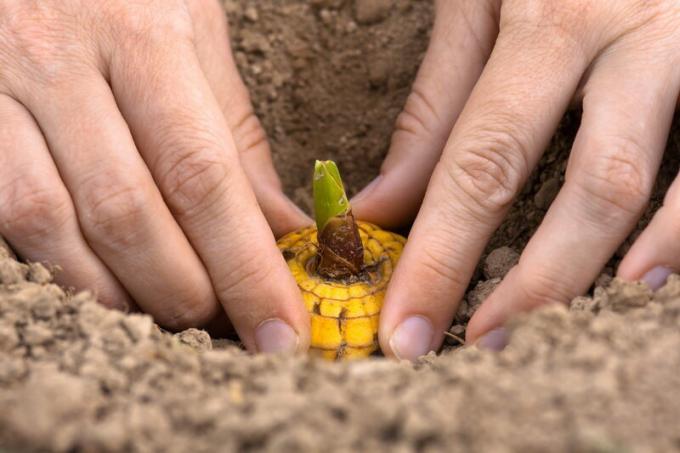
<point>127,141</point>
<point>492,88</point>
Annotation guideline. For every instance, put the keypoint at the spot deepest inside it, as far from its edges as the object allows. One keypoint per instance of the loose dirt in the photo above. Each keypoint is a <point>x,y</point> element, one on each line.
<point>328,78</point>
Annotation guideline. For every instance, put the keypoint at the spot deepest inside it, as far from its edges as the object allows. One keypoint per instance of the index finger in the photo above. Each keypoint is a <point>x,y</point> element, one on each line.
<point>211,41</point>
<point>504,127</point>
<point>186,143</point>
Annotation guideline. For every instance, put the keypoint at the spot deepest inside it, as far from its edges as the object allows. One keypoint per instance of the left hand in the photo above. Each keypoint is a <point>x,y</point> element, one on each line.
<point>126,143</point>
<point>505,72</point>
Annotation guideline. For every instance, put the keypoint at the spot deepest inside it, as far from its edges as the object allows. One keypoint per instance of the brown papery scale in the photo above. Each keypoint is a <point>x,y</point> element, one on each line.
<point>341,254</point>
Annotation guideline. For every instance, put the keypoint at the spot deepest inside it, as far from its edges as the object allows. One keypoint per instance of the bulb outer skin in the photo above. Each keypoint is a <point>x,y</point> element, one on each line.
<point>341,253</point>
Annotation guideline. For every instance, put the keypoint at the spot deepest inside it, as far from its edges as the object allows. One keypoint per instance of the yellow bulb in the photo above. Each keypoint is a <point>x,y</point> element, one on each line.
<point>344,314</point>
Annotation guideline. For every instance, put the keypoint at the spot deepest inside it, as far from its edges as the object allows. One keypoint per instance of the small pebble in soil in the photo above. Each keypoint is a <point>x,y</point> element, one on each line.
<point>12,271</point>
<point>499,262</point>
<point>196,339</point>
<point>251,14</point>
<point>458,329</point>
<point>39,274</point>
<point>5,250</point>
<point>456,336</point>
<point>605,277</point>
<point>378,72</point>
<point>371,11</point>
<point>482,290</point>
<point>547,193</point>
<point>326,16</point>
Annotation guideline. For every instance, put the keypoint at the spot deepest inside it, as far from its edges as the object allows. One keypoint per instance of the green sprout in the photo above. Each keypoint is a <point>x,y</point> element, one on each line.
<point>330,199</point>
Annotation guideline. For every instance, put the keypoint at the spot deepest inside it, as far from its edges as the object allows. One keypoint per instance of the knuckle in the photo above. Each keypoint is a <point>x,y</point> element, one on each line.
<point>418,113</point>
<point>553,16</point>
<point>615,183</point>
<point>112,212</point>
<point>207,13</point>
<point>32,210</point>
<point>490,170</point>
<point>248,132</point>
<point>542,287</point>
<point>551,24</point>
<point>654,25</point>
<point>139,22</point>
<point>190,309</point>
<point>193,179</point>
<point>38,41</point>
<point>437,261</point>
<point>239,282</point>
<point>470,10</point>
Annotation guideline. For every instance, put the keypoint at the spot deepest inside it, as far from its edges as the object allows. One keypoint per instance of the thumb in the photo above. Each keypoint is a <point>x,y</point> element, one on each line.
<point>462,39</point>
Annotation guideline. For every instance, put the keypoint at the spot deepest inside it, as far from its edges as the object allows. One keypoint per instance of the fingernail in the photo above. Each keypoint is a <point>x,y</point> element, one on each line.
<point>412,338</point>
<point>494,340</point>
<point>274,336</point>
<point>656,277</point>
<point>367,190</point>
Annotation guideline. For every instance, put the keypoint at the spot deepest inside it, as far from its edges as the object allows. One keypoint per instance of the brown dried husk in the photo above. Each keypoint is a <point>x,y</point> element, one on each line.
<point>341,253</point>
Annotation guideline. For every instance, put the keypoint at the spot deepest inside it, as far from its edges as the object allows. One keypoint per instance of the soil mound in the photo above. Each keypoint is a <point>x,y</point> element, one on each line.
<point>74,376</point>
<point>328,78</point>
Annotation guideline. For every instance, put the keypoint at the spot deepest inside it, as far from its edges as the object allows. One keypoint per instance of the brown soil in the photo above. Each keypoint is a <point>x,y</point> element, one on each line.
<point>328,78</point>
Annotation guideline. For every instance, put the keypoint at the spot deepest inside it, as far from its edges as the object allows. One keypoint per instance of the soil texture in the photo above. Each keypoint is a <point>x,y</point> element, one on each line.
<point>328,78</point>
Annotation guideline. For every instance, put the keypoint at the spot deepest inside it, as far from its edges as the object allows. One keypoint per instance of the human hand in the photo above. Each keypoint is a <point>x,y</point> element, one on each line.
<point>505,72</point>
<point>127,142</point>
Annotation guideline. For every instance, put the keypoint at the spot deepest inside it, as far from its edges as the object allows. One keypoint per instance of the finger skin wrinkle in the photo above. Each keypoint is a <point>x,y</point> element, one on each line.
<point>568,39</point>
<point>464,10</point>
<point>544,286</point>
<point>455,218</point>
<point>111,217</point>
<point>238,284</point>
<point>43,45</point>
<point>425,105</point>
<point>565,19</point>
<point>655,19</point>
<point>30,210</point>
<point>248,133</point>
<point>209,13</point>
<point>128,58</point>
<point>490,171</point>
<point>194,182</point>
<point>136,23</point>
<point>614,184</point>
<point>189,310</point>
<point>443,268</point>
<point>417,114</point>
<point>610,202</point>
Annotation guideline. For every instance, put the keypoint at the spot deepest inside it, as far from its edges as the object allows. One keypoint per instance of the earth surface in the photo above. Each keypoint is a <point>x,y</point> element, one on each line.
<point>328,78</point>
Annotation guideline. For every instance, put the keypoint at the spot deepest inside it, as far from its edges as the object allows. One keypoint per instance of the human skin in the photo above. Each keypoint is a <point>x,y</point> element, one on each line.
<point>127,140</point>
<point>495,81</point>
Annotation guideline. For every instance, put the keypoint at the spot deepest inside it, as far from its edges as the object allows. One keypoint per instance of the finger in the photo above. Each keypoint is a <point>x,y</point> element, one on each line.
<point>184,138</point>
<point>36,212</point>
<point>214,53</point>
<point>462,38</point>
<point>655,253</point>
<point>627,114</point>
<point>121,213</point>
<point>503,129</point>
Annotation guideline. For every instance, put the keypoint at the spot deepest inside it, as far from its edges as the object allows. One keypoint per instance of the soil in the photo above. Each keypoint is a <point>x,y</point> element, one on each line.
<point>328,78</point>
